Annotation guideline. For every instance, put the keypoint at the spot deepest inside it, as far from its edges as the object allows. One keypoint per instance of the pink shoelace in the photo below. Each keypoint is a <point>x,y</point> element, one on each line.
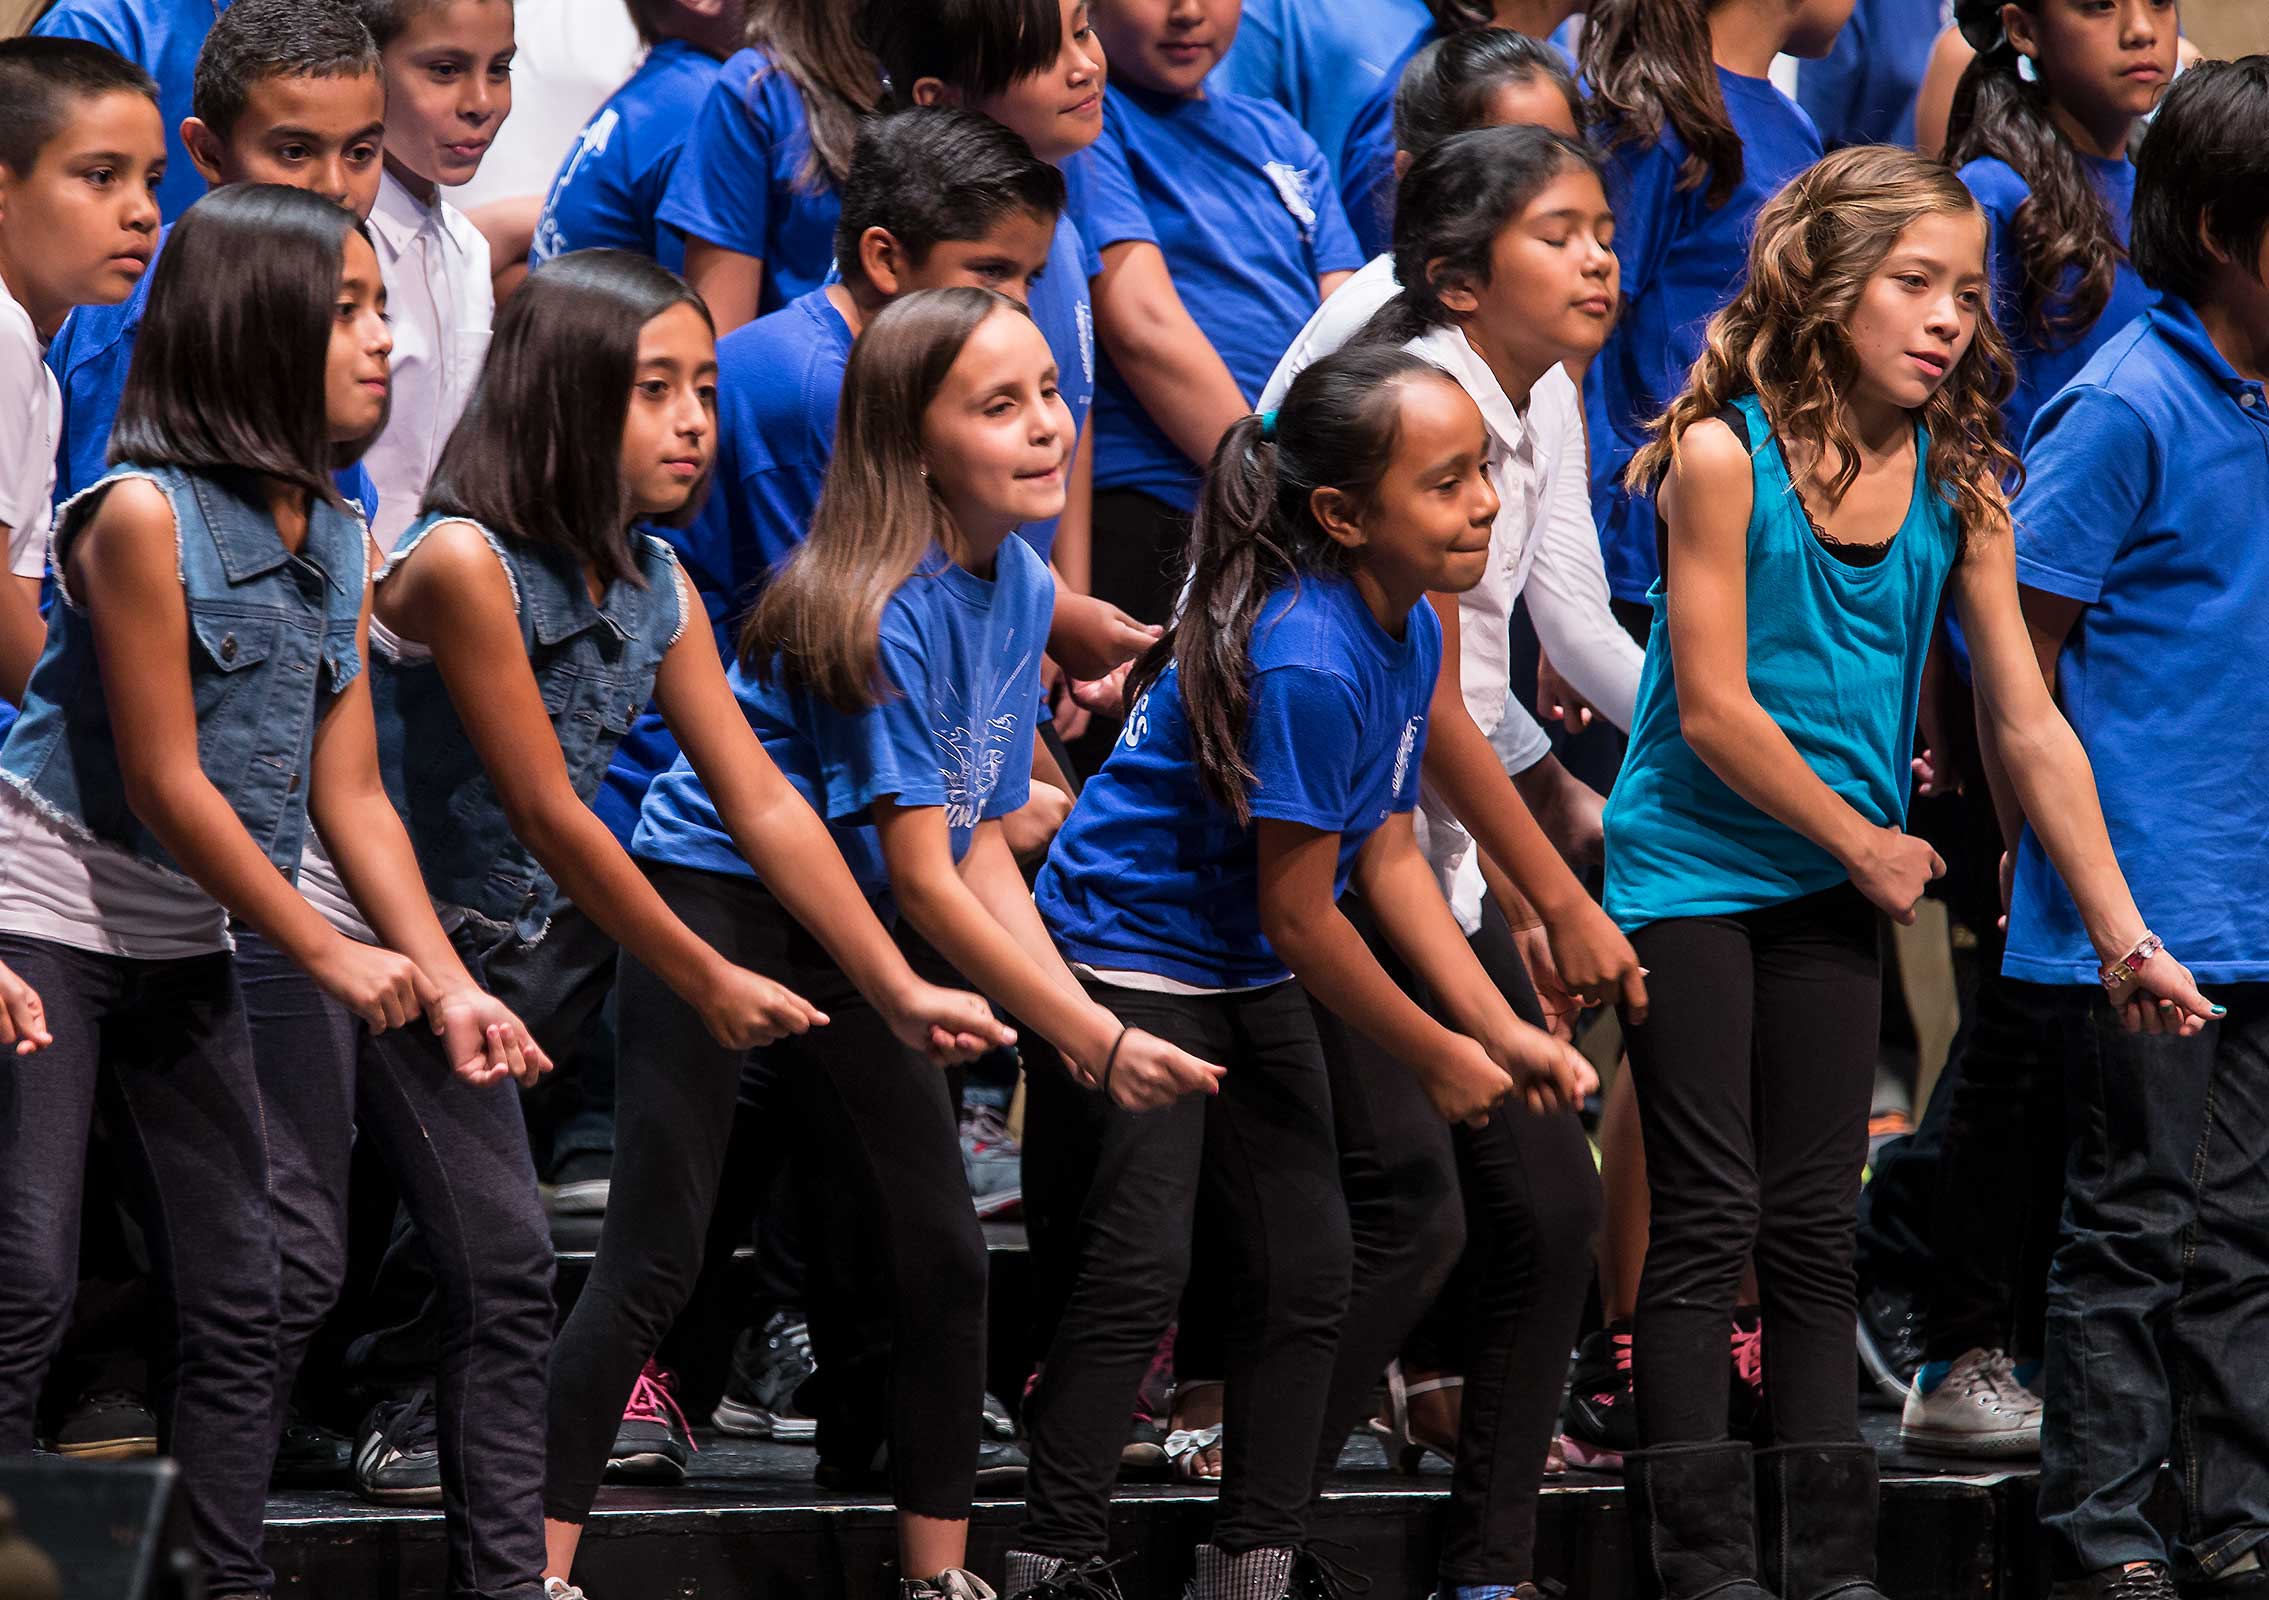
<point>1749,1354</point>
<point>651,1401</point>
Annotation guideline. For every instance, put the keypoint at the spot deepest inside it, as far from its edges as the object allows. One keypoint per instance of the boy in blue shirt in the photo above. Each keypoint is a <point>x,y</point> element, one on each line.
<point>608,193</point>
<point>163,38</point>
<point>286,91</point>
<point>1322,59</point>
<point>2146,583</point>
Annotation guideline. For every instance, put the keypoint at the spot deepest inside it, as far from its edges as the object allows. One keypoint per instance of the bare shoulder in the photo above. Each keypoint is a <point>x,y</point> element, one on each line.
<point>1710,475</point>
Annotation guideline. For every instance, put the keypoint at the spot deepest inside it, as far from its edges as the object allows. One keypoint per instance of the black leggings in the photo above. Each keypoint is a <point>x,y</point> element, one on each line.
<point>1754,1070</point>
<point>880,1144</point>
<point>1261,1155</point>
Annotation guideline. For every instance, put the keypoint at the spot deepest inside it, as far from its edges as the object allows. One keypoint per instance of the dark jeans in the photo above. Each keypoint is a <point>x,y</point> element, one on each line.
<point>1262,1156</point>
<point>2000,1178</point>
<point>1141,556</point>
<point>881,1148</point>
<point>459,1155</point>
<point>163,1045</point>
<point>1754,1071</point>
<point>2158,1304</point>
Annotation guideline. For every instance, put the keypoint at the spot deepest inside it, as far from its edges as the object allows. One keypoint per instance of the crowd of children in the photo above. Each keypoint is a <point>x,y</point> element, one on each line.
<point>1245,572</point>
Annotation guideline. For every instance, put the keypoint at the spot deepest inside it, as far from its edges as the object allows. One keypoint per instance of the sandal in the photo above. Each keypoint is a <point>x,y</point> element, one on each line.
<point>1186,1449</point>
<point>1407,1451</point>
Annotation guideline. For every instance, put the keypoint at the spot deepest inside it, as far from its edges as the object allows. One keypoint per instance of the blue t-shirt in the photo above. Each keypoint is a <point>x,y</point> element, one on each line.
<point>1151,874</point>
<point>739,182</point>
<point>2041,372</point>
<point>162,37</point>
<point>1835,653</point>
<point>2144,482</point>
<point>89,356</point>
<point>1320,59</point>
<point>963,654</point>
<point>1681,262</point>
<point>608,193</point>
<point>1240,202</point>
<point>1065,315</point>
<point>1863,90</point>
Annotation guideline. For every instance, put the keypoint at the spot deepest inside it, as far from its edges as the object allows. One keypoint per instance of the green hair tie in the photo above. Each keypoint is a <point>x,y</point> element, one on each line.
<point>1268,424</point>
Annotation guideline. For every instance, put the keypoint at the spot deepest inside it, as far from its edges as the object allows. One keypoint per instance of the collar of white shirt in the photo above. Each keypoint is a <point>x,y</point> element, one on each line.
<point>399,217</point>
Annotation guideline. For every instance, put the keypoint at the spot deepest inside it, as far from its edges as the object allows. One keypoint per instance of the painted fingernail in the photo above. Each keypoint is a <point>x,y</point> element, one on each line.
<point>2221,1011</point>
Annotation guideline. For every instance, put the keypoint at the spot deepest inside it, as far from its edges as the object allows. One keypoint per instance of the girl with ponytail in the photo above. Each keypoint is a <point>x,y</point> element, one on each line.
<point>1697,140</point>
<point>2039,132</point>
<point>1270,763</point>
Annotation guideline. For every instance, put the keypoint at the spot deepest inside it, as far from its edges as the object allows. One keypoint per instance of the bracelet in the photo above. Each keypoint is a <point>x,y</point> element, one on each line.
<point>2116,974</point>
<point>1103,1083</point>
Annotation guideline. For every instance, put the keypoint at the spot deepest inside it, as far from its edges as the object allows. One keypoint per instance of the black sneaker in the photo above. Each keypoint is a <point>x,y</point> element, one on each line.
<point>1038,1577</point>
<point>1001,1465</point>
<point>311,1456</point>
<point>577,1187</point>
<point>398,1462</point>
<point>770,1365</point>
<point>1599,1423</point>
<point>1144,1453</point>
<point>2137,1580</point>
<point>1890,1345</point>
<point>1316,1576</point>
<point>652,1443</point>
<point>107,1425</point>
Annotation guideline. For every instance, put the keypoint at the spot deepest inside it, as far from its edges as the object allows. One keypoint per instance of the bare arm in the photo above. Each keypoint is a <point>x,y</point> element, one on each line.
<point>1327,284</point>
<point>729,282</point>
<point>1159,350</point>
<point>23,632</point>
<point>1074,554</point>
<point>509,226</point>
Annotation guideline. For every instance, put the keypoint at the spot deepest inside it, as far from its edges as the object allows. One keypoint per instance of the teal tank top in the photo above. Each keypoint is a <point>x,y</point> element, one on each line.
<point>1835,658</point>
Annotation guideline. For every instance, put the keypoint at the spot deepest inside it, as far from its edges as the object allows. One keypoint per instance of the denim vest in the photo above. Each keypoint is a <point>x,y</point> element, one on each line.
<point>271,645</point>
<point>595,665</point>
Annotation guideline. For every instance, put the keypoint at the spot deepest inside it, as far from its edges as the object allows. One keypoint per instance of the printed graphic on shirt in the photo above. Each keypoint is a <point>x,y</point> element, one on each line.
<point>976,740</point>
<point>1138,723</point>
<point>1293,188</point>
<point>1084,314</point>
<point>1402,762</point>
<point>549,242</point>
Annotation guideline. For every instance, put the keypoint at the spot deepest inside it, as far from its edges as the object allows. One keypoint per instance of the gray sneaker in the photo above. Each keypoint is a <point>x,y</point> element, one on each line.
<point>770,1365</point>
<point>991,1159</point>
<point>951,1584</point>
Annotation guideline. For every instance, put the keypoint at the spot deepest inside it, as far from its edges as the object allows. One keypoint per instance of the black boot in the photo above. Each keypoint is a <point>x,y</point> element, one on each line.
<point>1816,1520</point>
<point>1693,1522</point>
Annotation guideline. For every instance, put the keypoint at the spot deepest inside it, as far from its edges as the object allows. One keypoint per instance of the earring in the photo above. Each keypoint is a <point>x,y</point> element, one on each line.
<point>2026,70</point>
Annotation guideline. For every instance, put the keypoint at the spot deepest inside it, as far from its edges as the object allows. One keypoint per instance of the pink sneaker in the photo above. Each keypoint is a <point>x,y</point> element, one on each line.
<point>652,1444</point>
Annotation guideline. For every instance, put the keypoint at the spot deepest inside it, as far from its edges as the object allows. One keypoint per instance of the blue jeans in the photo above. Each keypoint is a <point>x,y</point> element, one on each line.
<point>2158,1307</point>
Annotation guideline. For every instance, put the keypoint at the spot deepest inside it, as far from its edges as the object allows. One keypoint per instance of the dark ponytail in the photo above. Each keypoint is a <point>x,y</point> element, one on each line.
<point>2064,224</point>
<point>1457,197</point>
<point>1649,66</point>
<point>1448,85</point>
<point>1256,529</point>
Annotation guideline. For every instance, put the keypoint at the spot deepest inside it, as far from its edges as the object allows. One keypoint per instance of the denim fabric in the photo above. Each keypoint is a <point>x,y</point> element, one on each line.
<point>272,644</point>
<point>2158,1301</point>
<point>596,666</point>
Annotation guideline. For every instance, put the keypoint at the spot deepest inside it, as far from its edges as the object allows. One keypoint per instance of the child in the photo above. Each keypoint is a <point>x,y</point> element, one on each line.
<point>2039,132</point>
<point>1319,61</point>
<point>608,194</point>
<point>1270,762</point>
<point>2141,589</point>
<point>287,92</point>
<point>1698,141</point>
<point>200,702</point>
<point>448,67</point>
<point>163,38</point>
<point>81,154</point>
<point>1221,208</point>
<point>753,195</point>
<point>1757,828</point>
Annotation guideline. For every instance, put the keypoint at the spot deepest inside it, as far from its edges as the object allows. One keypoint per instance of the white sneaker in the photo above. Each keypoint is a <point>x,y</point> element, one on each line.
<point>1977,1408</point>
<point>561,1589</point>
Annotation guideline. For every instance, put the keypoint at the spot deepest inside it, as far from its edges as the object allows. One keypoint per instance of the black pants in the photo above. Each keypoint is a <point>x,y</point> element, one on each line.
<point>1754,1069</point>
<point>459,1156</point>
<point>163,1045</point>
<point>1262,1155</point>
<point>881,1147</point>
<point>1141,557</point>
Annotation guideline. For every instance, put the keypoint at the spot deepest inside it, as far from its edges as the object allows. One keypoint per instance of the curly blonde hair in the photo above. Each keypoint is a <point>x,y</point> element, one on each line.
<point>1816,245</point>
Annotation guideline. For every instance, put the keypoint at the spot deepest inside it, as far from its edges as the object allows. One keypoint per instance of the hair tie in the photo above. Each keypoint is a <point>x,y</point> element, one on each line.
<point>1268,425</point>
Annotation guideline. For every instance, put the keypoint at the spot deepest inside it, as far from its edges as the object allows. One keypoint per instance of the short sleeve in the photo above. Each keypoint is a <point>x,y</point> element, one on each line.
<point>885,751</point>
<point>721,190</point>
<point>1302,737</point>
<point>76,22</point>
<point>1999,193</point>
<point>1332,245</point>
<point>2088,469</point>
<point>27,454</point>
<point>1642,186</point>
<point>1102,194</point>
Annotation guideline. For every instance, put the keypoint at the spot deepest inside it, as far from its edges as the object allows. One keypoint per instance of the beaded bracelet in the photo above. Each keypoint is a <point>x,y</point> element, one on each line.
<point>2118,973</point>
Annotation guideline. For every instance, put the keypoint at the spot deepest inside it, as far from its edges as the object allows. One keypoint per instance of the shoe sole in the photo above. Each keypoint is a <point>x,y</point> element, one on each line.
<point>1989,1446</point>
<point>1001,1477</point>
<point>645,1467</point>
<point>754,1422</point>
<point>1142,1458</point>
<point>1590,1458</point>
<point>422,1495</point>
<point>111,1449</point>
<point>990,1206</point>
<point>585,1198</point>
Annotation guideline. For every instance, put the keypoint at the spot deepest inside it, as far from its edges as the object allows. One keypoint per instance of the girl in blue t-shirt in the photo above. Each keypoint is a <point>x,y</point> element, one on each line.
<point>1698,140</point>
<point>1270,762</point>
<point>1832,468</point>
<point>754,188</point>
<point>2039,132</point>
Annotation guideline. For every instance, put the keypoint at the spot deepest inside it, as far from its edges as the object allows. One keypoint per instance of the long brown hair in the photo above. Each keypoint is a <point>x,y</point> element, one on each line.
<point>1649,66</point>
<point>877,521</point>
<point>1817,244</point>
<point>816,43</point>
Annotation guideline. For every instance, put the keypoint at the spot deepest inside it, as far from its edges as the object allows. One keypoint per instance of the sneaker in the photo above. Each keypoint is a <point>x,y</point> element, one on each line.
<point>1971,1407</point>
<point>770,1365</point>
<point>1599,1422</point>
<point>107,1425</point>
<point>398,1462</point>
<point>951,1584</point>
<point>1890,1344</point>
<point>1316,1576</point>
<point>2137,1580</point>
<point>992,1161</point>
<point>1745,1400</point>
<point>651,1444</point>
<point>1000,1465</point>
<point>1038,1577</point>
<point>579,1185</point>
<point>561,1589</point>
<point>310,1455</point>
<point>1144,1453</point>
<point>994,1422</point>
